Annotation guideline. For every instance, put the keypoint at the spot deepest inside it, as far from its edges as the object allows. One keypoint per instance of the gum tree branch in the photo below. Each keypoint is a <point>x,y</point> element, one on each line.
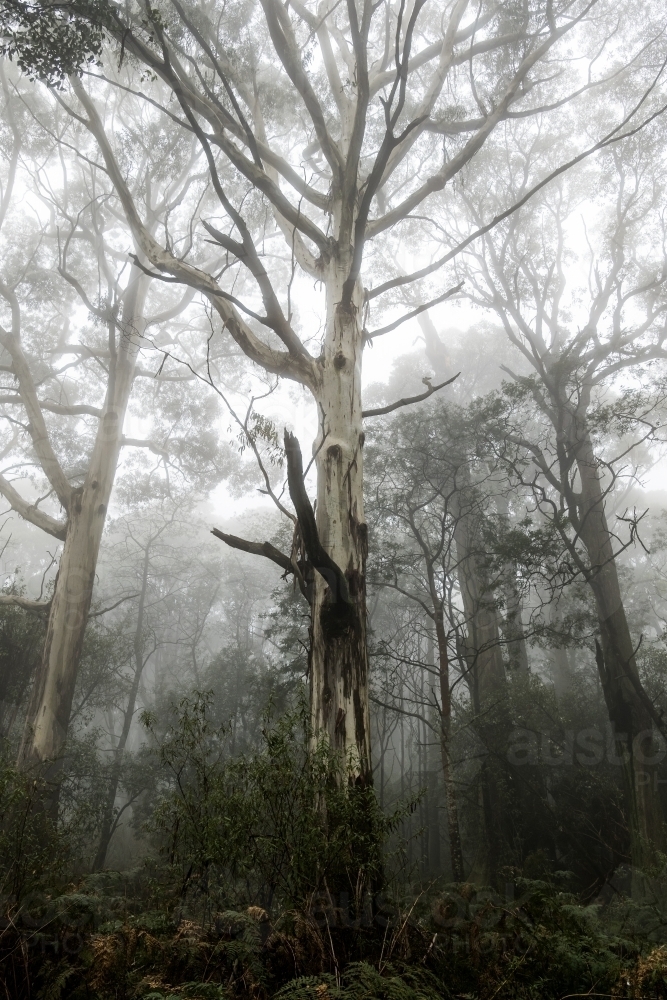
<point>37,607</point>
<point>415,312</point>
<point>265,549</point>
<point>31,513</point>
<point>609,139</point>
<point>39,434</point>
<point>277,362</point>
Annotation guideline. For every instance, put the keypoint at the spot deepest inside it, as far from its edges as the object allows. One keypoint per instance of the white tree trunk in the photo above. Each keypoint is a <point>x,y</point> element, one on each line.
<point>338,656</point>
<point>53,689</point>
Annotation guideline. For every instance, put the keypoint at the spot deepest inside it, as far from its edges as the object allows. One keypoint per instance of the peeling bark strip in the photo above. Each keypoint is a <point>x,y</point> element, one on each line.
<point>320,560</point>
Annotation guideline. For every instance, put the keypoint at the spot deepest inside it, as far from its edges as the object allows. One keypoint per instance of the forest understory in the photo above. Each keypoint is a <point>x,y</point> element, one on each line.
<point>251,892</point>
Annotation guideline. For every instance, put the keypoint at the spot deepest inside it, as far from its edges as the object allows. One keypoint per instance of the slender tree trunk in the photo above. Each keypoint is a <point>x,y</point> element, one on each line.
<point>53,689</point>
<point>557,658</point>
<point>488,682</point>
<point>512,621</point>
<point>139,664</point>
<point>338,655</point>
<point>512,626</point>
<point>618,668</point>
<point>453,828</point>
<point>434,816</point>
<point>483,640</point>
<point>561,671</point>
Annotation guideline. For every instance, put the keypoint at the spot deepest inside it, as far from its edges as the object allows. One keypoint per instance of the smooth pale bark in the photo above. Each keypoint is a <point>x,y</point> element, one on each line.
<point>338,654</point>
<point>618,667</point>
<point>109,821</point>
<point>53,689</point>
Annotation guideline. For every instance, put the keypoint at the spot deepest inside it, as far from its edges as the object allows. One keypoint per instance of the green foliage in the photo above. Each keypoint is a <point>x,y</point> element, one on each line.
<point>50,41</point>
<point>278,824</point>
<point>360,981</point>
<point>542,943</point>
<point>32,855</point>
<point>21,642</point>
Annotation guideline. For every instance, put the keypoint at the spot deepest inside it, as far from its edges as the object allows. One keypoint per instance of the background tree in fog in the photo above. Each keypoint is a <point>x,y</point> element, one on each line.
<point>590,326</point>
<point>443,539</point>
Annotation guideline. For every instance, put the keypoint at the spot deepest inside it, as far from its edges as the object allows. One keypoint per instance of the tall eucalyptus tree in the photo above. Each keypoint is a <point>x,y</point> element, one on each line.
<point>74,319</point>
<point>330,128</point>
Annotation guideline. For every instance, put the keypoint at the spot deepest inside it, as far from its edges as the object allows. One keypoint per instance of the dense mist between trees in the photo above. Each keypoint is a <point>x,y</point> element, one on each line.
<point>333,499</point>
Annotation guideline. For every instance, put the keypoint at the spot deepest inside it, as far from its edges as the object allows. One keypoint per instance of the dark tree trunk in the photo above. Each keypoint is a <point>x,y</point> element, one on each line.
<point>628,710</point>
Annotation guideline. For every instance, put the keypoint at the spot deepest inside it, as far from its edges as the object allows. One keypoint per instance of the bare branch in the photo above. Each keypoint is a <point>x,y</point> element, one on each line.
<point>611,138</point>
<point>103,611</point>
<point>438,180</point>
<point>415,312</point>
<point>41,441</point>
<point>265,549</point>
<point>75,410</point>
<point>150,445</point>
<point>278,362</point>
<point>409,400</point>
<point>284,43</point>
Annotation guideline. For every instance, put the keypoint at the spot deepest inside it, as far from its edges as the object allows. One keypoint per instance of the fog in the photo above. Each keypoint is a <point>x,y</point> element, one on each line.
<point>333,499</point>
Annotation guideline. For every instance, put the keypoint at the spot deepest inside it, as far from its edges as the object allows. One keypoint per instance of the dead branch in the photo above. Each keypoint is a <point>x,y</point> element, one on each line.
<point>315,551</point>
<point>265,549</point>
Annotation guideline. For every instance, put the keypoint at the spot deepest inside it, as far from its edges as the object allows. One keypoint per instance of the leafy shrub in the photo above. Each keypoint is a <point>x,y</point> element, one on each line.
<point>32,855</point>
<point>280,825</point>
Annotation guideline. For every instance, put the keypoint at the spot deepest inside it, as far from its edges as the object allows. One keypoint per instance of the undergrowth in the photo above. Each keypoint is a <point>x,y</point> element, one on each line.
<point>271,877</point>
